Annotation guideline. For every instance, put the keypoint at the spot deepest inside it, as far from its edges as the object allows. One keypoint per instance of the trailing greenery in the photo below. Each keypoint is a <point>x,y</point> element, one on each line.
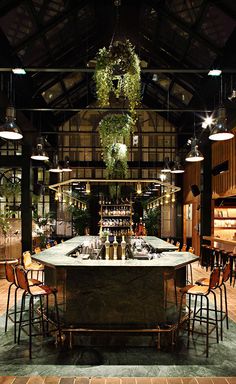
<point>80,219</point>
<point>118,71</point>
<point>115,130</point>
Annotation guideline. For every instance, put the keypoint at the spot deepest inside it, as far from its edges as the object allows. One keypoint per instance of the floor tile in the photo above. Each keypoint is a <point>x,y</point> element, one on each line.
<point>67,380</point>
<point>143,380</point>
<point>36,380</point>
<point>51,380</point>
<point>128,380</point>
<point>231,380</point>
<point>97,380</point>
<point>6,379</point>
<point>174,380</point>
<point>82,380</point>
<point>204,380</point>
<point>21,380</point>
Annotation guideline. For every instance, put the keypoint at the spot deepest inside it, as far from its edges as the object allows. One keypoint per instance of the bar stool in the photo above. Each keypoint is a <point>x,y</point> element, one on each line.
<point>55,242</point>
<point>34,292</point>
<point>184,248</point>
<point>32,266</point>
<point>201,291</point>
<point>48,245</point>
<point>223,279</point>
<point>37,250</point>
<point>177,244</point>
<point>11,278</point>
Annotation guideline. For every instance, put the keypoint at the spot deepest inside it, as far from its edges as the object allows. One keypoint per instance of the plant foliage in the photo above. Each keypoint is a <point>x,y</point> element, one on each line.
<point>5,224</point>
<point>80,219</point>
<point>152,221</point>
<point>118,71</point>
<point>115,130</point>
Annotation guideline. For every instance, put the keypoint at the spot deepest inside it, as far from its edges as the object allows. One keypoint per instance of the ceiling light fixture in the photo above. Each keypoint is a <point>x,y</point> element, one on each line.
<point>55,168</point>
<point>166,166</point>
<point>39,153</point>
<point>177,167</point>
<point>194,155</point>
<point>66,167</point>
<point>9,130</point>
<point>220,131</point>
<point>207,122</point>
<point>214,72</point>
<point>19,71</point>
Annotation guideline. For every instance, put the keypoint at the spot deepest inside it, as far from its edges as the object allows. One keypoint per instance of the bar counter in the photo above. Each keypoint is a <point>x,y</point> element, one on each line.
<point>114,293</point>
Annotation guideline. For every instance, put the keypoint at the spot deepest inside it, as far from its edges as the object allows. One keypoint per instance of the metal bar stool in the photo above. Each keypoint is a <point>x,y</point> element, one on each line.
<point>42,291</point>
<point>223,279</point>
<point>11,278</point>
<point>201,291</point>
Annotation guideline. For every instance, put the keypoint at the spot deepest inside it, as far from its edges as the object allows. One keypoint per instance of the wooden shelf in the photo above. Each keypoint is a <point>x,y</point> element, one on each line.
<point>224,218</point>
<point>116,226</point>
<point>115,215</point>
<point>225,227</point>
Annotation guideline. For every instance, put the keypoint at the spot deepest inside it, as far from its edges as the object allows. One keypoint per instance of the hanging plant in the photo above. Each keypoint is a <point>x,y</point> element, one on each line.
<point>115,130</point>
<point>118,71</point>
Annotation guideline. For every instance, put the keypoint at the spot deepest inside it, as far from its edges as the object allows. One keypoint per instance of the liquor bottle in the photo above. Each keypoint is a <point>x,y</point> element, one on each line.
<point>123,246</point>
<point>115,245</point>
<point>107,247</point>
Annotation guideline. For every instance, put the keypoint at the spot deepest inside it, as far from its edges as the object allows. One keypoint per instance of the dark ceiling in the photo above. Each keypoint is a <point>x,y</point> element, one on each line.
<point>189,35</point>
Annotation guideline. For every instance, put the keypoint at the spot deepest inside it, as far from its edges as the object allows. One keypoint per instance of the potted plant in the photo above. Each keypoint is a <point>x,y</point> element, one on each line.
<point>114,131</point>
<point>118,71</point>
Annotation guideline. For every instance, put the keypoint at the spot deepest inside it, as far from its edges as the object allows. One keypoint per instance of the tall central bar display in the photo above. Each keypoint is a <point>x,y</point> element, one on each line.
<point>115,293</point>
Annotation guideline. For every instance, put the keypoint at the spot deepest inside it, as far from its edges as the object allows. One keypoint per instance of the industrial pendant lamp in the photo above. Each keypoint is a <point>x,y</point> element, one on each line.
<point>9,130</point>
<point>56,168</point>
<point>177,167</point>
<point>66,167</point>
<point>166,166</point>
<point>39,152</point>
<point>220,131</point>
<point>194,155</point>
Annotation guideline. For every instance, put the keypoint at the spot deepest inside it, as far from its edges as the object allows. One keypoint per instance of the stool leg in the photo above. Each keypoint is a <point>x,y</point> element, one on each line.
<point>8,302</point>
<point>189,315</point>
<point>57,315</point>
<point>21,315</point>
<point>226,307</point>
<point>194,312</point>
<point>47,324</point>
<point>221,314</point>
<point>207,331</point>
<point>15,312</point>
<point>41,311</point>
<point>180,311</point>
<point>201,311</point>
<point>31,305</point>
<point>191,273</point>
<point>215,305</point>
<point>176,300</point>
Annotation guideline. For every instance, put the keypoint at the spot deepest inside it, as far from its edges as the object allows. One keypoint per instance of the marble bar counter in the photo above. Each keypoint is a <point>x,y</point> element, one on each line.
<point>114,293</point>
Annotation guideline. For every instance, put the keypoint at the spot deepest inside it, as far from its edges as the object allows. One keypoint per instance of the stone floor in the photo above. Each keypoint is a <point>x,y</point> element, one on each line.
<point>120,365</point>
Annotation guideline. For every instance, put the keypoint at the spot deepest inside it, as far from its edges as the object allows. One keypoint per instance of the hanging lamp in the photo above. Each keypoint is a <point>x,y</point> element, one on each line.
<point>177,167</point>
<point>220,131</point>
<point>56,168</point>
<point>194,155</point>
<point>10,130</point>
<point>39,152</point>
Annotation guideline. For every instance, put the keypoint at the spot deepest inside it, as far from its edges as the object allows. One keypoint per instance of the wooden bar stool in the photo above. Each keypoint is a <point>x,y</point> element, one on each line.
<point>225,275</point>
<point>11,278</point>
<point>34,292</point>
<point>32,266</point>
<point>197,291</point>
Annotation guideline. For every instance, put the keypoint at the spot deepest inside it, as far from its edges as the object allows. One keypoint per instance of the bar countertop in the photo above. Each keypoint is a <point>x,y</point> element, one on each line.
<point>57,256</point>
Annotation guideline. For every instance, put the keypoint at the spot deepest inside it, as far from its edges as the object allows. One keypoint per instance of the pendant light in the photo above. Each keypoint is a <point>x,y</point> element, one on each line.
<point>220,131</point>
<point>194,155</point>
<point>66,167</point>
<point>39,152</point>
<point>166,166</point>
<point>56,168</point>
<point>10,130</point>
<point>177,167</point>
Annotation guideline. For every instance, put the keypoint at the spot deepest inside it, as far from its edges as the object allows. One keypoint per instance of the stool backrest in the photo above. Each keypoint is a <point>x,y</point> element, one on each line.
<point>48,245</point>
<point>37,250</point>
<point>184,248</point>
<point>27,259</point>
<point>168,240</point>
<point>214,278</point>
<point>22,279</point>
<point>10,273</point>
<point>226,273</point>
<point>55,242</point>
<point>191,250</point>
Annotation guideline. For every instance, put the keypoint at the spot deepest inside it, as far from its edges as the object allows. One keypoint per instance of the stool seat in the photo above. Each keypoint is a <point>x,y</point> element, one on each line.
<point>42,290</point>
<point>195,289</point>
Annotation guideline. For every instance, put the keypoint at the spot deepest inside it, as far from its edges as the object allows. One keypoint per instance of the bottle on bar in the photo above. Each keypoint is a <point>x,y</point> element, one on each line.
<point>115,246</point>
<point>123,246</point>
<point>107,248</point>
